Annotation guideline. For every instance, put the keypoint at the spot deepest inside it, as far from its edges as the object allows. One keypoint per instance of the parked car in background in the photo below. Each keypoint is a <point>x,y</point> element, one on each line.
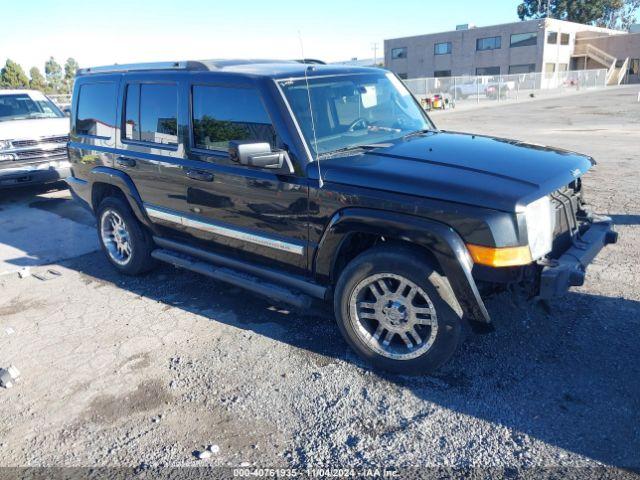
<point>326,182</point>
<point>491,87</point>
<point>33,139</point>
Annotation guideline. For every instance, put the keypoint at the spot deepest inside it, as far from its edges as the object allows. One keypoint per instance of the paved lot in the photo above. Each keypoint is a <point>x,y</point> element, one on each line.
<point>122,371</point>
<point>40,226</point>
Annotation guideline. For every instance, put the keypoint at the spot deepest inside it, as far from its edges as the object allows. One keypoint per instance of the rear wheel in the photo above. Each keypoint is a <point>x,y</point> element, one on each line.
<point>396,311</point>
<point>124,240</point>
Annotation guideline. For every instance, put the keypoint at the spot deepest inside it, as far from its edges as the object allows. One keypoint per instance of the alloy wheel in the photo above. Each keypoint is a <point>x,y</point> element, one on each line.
<point>115,237</point>
<point>393,316</point>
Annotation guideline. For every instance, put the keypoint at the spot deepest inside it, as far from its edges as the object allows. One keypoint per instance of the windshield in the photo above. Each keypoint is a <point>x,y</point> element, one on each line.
<point>21,106</point>
<point>353,110</point>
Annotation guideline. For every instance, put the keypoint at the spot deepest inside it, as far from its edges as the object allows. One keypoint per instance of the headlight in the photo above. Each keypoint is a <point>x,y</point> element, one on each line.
<point>540,220</point>
<point>4,144</point>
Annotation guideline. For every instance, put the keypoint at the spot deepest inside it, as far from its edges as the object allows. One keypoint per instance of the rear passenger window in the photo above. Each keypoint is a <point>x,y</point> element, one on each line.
<point>96,113</point>
<point>222,114</point>
<point>151,112</point>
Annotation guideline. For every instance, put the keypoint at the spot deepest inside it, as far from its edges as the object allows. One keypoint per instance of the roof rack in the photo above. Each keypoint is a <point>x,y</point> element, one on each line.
<point>311,61</point>
<point>134,67</point>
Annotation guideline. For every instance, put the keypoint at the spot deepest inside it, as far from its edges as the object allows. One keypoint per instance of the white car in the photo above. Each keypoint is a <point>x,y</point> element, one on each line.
<point>33,139</point>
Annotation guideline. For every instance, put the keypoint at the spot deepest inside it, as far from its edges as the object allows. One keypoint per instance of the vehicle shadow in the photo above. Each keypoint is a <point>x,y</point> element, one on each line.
<point>42,224</point>
<point>17,194</point>
<point>568,376</point>
<point>623,219</point>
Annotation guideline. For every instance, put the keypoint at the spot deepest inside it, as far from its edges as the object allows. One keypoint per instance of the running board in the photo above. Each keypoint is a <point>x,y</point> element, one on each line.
<point>233,277</point>
<point>288,280</point>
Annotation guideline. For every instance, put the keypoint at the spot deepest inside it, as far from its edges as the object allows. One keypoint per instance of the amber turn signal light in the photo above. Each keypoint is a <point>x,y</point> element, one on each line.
<point>500,257</point>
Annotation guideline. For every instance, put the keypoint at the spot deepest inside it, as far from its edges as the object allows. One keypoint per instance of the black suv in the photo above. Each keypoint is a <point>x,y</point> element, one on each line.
<point>302,182</point>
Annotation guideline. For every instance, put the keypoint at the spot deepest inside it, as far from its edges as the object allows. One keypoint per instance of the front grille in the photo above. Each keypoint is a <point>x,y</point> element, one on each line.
<point>568,214</point>
<point>38,153</point>
<point>35,142</point>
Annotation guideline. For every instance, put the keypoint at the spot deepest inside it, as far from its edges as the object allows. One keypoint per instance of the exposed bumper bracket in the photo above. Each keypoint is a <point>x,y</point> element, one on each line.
<point>570,269</point>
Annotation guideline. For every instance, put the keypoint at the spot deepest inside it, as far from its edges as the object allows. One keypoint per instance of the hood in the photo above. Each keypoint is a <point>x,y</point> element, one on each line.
<point>34,128</point>
<point>458,167</point>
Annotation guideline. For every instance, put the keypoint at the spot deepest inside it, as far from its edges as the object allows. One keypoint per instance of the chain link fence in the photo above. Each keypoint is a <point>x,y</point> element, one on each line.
<point>465,90</point>
<point>61,99</point>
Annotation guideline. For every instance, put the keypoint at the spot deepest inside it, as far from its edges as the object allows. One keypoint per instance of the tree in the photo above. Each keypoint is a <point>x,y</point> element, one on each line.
<point>53,71</point>
<point>70,69</point>
<point>620,15</point>
<point>12,76</point>
<point>37,81</point>
<point>604,13</point>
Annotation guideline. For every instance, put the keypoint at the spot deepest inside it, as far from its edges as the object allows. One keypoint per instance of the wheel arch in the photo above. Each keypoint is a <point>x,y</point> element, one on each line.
<point>106,180</point>
<point>439,241</point>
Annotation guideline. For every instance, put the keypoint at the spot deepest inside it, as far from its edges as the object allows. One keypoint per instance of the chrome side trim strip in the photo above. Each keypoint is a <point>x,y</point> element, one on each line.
<point>161,214</point>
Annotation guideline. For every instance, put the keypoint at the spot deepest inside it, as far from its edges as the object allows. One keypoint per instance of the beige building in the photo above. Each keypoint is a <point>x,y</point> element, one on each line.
<point>543,45</point>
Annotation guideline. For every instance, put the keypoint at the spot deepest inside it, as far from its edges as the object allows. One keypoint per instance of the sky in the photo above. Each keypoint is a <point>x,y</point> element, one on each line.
<point>124,31</point>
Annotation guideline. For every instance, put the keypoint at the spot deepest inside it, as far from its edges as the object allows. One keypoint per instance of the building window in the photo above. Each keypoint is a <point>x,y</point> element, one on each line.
<point>397,53</point>
<point>443,48</point>
<point>96,109</point>
<point>524,68</point>
<point>549,69</point>
<point>563,67</point>
<point>552,38</point>
<point>403,76</point>
<point>488,71</point>
<point>442,73</point>
<point>524,39</point>
<point>151,113</point>
<point>223,114</point>
<point>488,43</point>
<point>564,39</point>
<point>634,66</point>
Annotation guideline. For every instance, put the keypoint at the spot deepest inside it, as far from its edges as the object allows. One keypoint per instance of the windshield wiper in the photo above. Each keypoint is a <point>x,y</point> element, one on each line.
<point>417,133</point>
<point>352,148</point>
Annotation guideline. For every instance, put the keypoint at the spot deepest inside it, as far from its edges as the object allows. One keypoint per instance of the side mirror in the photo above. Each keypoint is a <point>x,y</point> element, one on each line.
<point>259,155</point>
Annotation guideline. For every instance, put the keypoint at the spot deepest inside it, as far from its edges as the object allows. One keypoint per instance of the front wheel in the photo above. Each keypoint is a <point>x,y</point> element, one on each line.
<point>396,311</point>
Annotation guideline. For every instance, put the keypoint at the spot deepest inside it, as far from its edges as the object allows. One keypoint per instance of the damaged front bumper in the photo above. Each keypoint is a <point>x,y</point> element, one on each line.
<point>569,270</point>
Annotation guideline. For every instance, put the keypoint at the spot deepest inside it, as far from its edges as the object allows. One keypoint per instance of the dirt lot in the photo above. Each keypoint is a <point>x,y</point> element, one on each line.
<point>143,372</point>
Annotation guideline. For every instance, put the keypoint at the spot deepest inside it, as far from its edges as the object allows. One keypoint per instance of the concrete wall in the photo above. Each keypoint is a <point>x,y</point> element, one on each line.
<point>464,59</point>
<point>619,46</point>
<point>561,54</point>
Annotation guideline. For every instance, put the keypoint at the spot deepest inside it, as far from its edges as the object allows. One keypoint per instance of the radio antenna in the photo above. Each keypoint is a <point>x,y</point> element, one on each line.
<point>313,122</point>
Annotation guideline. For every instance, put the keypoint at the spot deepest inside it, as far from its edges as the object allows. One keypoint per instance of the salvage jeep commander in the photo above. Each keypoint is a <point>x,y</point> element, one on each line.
<point>303,181</point>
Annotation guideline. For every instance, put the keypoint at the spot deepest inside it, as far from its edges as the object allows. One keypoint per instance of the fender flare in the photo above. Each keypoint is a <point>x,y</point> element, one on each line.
<point>441,240</point>
<point>122,181</point>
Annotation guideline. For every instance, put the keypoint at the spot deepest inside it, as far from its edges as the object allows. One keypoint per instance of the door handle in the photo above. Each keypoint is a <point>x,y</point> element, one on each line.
<point>200,175</point>
<point>126,162</point>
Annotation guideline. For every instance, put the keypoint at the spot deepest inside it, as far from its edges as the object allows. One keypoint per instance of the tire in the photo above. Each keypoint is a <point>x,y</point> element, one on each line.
<point>360,312</point>
<point>137,258</point>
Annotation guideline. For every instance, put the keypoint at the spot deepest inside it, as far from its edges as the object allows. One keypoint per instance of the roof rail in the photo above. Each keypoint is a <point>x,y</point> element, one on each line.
<point>135,67</point>
<point>311,61</point>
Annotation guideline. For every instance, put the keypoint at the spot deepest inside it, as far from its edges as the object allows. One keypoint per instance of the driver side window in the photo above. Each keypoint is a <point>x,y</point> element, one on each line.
<point>224,114</point>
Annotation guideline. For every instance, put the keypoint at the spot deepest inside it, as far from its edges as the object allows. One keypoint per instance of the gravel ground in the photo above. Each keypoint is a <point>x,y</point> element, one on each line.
<point>142,372</point>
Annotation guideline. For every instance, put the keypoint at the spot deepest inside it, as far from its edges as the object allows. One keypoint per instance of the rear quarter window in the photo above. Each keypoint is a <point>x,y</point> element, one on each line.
<point>96,114</point>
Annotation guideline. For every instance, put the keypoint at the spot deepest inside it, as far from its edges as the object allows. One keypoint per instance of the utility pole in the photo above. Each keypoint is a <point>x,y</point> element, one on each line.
<point>374,45</point>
